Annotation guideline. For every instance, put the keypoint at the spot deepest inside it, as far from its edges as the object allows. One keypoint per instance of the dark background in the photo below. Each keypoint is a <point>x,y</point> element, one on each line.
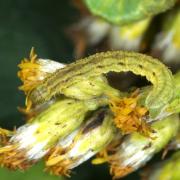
<point>42,24</point>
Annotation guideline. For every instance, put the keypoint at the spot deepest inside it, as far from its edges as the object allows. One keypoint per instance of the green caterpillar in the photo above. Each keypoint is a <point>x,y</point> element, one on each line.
<point>102,63</point>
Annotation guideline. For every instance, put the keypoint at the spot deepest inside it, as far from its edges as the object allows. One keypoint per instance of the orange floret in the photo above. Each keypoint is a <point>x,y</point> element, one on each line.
<point>56,163</point>
<point>31,74</point>
<point>5,135</point>
<point>129,116</point>
<point>13,158</point>
<point>116,169</point>
<point>119,172</point>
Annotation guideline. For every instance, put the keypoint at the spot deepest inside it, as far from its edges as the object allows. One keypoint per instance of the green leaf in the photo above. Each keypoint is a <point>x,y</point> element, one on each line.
<point>34,173</point>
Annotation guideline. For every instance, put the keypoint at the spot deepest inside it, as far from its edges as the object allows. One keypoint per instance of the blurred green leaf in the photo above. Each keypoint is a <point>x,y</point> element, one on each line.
<point>34,173</point>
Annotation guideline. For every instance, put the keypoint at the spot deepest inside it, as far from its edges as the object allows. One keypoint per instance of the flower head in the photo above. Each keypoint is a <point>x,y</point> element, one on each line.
<point>34,140</point>
<point>82,144</point>
<point>135,150</point>
<point>33,71</point>
<point>129,36</point>
<point>167,42</point>
<point>129,116</point>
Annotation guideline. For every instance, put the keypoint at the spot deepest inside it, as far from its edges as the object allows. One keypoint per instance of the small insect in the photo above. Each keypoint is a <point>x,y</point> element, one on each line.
<point>123,11</point>
<point>102,63</point>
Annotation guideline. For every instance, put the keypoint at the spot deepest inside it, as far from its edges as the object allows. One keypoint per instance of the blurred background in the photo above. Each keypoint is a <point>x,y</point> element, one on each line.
<point>41,24</point>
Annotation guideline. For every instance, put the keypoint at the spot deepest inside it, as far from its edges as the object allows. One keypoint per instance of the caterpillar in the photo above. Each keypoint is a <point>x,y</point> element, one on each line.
<point>101,63</point>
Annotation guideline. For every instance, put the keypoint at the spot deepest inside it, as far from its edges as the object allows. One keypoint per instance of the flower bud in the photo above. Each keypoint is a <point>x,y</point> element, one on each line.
<point>34,139</point>
<point>94,135</point>
<point>135,150</point>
